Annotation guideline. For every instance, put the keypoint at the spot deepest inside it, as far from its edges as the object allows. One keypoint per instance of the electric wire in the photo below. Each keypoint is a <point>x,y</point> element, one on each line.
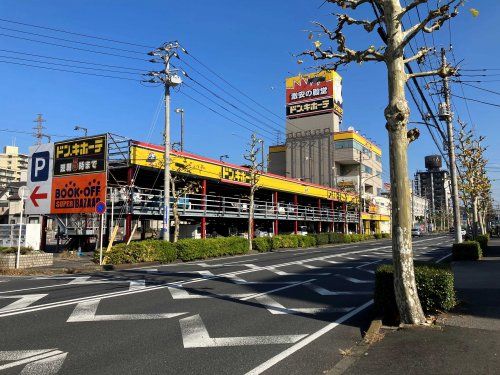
<point>69,71</point>
<point>71,41</point>
<point>75,48</point>
<point>480,88</point>
<point>73,33</point>
<point>476,100</point>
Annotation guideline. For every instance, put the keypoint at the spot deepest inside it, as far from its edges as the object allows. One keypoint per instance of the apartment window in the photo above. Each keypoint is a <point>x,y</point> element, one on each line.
<point>366,169</point>
<point>378,158</point>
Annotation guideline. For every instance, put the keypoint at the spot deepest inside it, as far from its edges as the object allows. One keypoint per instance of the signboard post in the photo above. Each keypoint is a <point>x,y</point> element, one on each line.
<point>23,193</point>
<point>100,209</point>
<point>40,168</point>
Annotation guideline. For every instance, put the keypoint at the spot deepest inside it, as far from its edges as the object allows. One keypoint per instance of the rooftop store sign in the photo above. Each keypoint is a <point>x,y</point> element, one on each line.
<point>313,94</point>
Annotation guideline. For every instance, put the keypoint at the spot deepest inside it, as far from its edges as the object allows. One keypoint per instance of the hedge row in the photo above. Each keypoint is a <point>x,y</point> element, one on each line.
<point>434,287</point>
<point>467,250</point>
<point>192,249</point>
<point>483,241</point>
<point>293,241</point>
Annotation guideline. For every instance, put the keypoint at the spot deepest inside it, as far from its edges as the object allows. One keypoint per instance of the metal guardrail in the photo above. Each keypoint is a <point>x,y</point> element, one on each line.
<point>149,202</point>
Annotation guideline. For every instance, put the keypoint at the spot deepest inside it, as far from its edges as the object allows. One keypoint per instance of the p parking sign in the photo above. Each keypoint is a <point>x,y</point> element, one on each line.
<point>39,170</point>
<point>40,166</point>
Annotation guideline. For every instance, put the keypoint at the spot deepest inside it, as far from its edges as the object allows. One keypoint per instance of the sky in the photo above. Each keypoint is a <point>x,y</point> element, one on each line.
<point>250,44</point>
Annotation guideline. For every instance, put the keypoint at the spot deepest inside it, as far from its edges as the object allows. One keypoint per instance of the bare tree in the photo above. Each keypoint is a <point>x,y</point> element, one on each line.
<point>255,171</point>
<point>397,114</point>
<point>181,186</point>
<point>475,186</point>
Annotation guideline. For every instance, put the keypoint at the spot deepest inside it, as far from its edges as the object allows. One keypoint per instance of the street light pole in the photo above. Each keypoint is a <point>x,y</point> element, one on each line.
<point>181,111</point>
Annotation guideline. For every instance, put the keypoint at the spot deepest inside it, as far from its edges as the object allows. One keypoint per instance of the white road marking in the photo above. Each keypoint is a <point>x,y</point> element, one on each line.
<point>87,312</point>
<point>23,300</point>
<point>354,280</point>
<point>325,292</point>
<point>195,335</point>
<point>276,308</point>
<point>284,354</point>
<point>179,292</point>
<point>45,361</point>
<point>443,258</point>
<point>277,289</point>
<point>158,287</point>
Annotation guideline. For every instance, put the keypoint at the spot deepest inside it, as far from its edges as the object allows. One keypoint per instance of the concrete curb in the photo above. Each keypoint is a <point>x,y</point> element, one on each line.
<point>358,351</point>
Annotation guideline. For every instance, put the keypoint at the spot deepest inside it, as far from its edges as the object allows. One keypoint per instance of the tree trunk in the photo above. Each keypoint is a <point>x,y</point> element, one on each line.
<point>397,115</point>
<point>250,219</point>
<point>175,212</point>
<point>474,218</point>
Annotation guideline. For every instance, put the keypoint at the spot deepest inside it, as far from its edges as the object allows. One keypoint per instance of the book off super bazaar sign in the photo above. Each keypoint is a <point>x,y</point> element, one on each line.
<point>67,177</point>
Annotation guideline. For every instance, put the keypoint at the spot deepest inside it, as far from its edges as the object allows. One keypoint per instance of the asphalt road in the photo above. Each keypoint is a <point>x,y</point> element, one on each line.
<point>286,312</point>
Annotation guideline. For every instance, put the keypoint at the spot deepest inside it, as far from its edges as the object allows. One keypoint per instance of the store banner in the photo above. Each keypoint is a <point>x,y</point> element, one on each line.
<point>78,193</point>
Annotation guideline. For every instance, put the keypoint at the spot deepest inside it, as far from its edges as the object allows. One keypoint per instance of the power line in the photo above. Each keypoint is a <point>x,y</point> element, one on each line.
<point>73,33</point>
<point>480,88</point>
<point>69,71</point>
<point>227,118</point>
<point>227,110</point>
<point>478,101</point>
<point>68,65</point>
<point>70,60</point>
<point>71,41</point>
<point>75,48</point>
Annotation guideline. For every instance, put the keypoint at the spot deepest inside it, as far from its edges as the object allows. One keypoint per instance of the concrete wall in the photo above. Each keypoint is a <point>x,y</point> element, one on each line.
<point>27,261</point>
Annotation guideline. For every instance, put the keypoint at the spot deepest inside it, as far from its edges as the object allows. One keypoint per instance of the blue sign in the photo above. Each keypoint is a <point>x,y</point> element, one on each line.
<point>40,166</point>
<point>100,208</point>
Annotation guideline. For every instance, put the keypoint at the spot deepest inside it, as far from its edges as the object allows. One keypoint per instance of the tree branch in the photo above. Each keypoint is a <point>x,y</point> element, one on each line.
<point>411,6</point>
<point>419,56</point>
<point>345,55</point>
<point>440,15</point>
<point>353,4</point>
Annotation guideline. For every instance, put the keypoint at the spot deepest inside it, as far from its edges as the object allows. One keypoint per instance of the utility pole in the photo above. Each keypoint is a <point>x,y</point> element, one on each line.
<point>448,117</point>
<point>360,206</point>
<point>39,129</point>
<point>168,78</point>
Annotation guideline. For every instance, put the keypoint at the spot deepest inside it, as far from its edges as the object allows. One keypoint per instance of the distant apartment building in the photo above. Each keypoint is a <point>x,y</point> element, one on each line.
<point>13,165</point>
<point>433,184</point>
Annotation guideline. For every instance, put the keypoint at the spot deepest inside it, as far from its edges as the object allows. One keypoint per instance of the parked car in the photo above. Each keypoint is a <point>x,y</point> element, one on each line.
<point>416,232</point>
<point>302,230</point>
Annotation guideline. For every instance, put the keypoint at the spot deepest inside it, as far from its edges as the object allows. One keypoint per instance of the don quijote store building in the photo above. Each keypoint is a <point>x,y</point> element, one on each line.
<point>304,190</point>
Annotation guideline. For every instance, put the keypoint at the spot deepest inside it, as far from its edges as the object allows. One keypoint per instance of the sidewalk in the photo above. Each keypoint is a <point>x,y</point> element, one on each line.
<point>466,341</point>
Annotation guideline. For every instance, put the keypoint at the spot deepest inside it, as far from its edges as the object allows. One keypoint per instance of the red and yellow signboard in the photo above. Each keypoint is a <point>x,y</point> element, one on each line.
<point>78,193</point>
<point>314,94</point>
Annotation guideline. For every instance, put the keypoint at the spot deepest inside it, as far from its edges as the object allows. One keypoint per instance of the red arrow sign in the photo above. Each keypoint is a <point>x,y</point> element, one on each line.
<point>35,196</point>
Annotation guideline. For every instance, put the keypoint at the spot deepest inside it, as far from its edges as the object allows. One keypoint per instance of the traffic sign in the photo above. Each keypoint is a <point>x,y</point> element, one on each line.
<point>40,170</point>
<point>23,192</point>
<point>100,208</point>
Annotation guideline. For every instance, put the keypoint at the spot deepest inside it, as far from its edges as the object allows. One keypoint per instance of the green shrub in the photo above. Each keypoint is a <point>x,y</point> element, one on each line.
<point>307,240</point>
<point>322,238</point>
<point>335,237</point>
<point>483,241</point>
<point>347,238</point>
<point>13,250</point>
<point>386,235</point>
<point>434,287</point>
<point>263,244</point>
<point>467,250</point>
<point>192,249</point>
<point>164,251</point>
<point>285,241</point>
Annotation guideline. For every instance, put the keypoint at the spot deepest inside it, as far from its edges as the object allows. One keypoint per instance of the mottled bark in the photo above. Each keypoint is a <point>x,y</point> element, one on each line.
<point>397,115</point>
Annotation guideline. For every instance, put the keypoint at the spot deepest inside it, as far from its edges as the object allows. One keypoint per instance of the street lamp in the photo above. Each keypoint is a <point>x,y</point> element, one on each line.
<point>85,130</point>
<point>223,157</point>
<point>181,111</point>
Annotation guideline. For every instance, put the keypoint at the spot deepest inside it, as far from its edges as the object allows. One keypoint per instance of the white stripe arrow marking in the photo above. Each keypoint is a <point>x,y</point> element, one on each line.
<point>274,307</point>
<point>195,335</point>
<point>46,361</point>
<point>179,292</point>
<point>326,292</point>
<point>85,280</point>
<point>23,301</point>
<point>86,312</point>
<point>354,280</point>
